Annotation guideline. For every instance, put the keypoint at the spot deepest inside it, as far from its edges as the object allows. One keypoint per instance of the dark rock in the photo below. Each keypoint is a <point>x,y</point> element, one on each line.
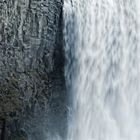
<point>32,85</point>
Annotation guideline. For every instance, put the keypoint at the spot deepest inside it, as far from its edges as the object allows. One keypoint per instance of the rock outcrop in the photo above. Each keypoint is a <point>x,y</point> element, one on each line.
<point>32,86</point>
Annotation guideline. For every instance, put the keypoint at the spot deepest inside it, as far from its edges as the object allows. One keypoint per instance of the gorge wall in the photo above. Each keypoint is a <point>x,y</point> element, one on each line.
<point>32,85</point>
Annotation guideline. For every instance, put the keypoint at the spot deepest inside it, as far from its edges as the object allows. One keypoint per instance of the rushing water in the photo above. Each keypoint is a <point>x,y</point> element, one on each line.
<point>102,47</point>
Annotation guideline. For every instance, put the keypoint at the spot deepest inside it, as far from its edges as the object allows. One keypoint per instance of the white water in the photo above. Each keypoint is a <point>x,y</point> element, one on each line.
<point>103,69</point>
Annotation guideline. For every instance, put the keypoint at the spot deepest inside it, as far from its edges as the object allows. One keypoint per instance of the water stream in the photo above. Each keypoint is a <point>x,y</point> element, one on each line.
<point>102,47</point>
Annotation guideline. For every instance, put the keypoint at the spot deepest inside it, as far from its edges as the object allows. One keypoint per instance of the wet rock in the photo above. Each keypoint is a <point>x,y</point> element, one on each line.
<point>31,77</point>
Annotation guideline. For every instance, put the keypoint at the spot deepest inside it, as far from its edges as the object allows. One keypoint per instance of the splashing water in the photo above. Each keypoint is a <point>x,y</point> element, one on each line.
<point>102,47</point>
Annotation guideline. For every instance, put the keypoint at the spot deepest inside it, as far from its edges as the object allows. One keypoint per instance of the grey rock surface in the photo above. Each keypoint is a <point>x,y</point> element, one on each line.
<point>32,85</point>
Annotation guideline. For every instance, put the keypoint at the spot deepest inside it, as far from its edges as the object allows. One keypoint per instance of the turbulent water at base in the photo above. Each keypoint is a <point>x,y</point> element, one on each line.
<point>102,47</point>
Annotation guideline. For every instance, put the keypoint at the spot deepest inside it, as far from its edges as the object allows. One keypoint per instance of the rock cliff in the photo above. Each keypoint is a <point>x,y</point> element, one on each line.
<point>32,85</point>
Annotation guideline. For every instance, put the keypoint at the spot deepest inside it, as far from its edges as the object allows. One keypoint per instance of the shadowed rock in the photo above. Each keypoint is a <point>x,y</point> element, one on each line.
<point>32,88</point>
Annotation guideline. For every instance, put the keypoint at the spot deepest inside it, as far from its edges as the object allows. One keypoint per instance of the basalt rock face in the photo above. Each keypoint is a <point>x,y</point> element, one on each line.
<point>32,86</point>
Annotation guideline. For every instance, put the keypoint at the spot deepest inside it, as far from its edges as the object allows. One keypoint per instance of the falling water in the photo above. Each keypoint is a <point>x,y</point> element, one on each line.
<point>102,47</point>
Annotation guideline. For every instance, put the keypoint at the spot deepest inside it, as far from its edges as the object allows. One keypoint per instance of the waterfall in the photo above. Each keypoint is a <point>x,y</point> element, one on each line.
<point>102,49</point>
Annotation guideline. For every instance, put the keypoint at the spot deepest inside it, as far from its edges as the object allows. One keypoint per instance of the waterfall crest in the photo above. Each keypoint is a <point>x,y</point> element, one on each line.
<point>102,47</point>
